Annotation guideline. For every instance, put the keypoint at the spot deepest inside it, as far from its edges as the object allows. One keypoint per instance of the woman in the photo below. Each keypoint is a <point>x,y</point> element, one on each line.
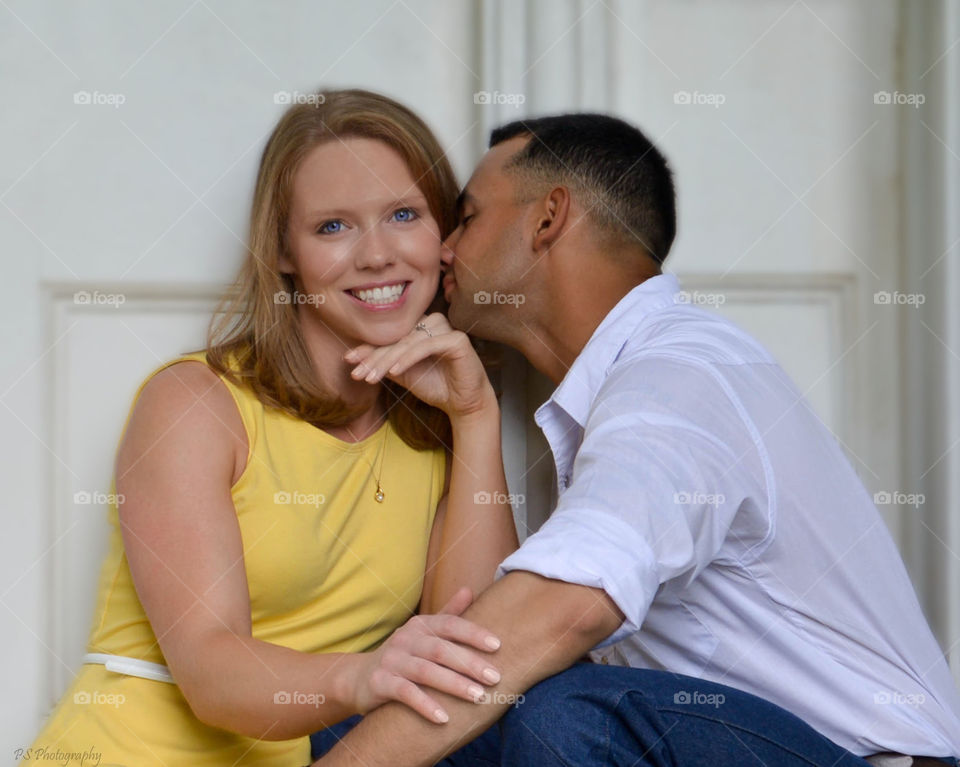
<point>287,498</point>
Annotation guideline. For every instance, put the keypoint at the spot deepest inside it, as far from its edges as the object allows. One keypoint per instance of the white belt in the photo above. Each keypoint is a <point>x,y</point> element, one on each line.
<point>131,666</point>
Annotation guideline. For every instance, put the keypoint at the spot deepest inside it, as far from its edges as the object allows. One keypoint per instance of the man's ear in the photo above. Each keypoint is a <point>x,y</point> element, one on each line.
<point>552,214</point>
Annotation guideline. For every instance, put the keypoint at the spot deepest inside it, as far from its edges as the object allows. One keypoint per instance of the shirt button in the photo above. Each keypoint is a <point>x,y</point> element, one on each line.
<point>565,481</point>
<point>604,661</point>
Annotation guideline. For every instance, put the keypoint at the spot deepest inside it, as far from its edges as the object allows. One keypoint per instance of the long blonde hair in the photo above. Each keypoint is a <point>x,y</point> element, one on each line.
<point>256,341</point>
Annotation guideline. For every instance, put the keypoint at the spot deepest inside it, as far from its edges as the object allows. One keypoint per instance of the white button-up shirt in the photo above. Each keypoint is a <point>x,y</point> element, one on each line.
<point>701,493</point>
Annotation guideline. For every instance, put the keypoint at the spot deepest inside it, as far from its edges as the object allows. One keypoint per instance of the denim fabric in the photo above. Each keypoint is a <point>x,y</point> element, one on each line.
<point>611,716</point>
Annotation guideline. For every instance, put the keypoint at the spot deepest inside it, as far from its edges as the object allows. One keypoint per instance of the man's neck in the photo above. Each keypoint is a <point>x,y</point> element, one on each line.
<point>552,341</point>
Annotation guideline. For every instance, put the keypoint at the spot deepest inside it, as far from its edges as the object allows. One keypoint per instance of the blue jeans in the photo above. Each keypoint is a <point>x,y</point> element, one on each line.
<point>610,716</point>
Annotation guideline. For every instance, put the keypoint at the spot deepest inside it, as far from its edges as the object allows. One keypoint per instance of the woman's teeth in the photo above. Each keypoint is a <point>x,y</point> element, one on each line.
<point>387,294</point>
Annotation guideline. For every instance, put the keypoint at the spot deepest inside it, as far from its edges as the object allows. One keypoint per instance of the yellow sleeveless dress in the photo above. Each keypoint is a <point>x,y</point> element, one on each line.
<point>328,568</point>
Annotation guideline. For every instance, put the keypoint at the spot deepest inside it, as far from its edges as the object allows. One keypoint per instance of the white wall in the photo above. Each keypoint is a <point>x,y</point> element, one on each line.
<point>798,201</point>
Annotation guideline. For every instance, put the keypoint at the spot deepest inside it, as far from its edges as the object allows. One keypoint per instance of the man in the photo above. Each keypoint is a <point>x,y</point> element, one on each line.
<point>711,542</point>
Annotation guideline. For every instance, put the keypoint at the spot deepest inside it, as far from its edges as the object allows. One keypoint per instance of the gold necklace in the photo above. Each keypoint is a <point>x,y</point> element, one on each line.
<point>379,495</point>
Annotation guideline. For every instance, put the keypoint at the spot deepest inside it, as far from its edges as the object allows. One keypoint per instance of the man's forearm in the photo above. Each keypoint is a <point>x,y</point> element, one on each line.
<point>545,626</point>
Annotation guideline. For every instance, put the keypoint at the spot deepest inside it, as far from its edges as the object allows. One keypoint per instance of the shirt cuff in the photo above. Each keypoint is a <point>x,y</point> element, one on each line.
<point>593,549</point>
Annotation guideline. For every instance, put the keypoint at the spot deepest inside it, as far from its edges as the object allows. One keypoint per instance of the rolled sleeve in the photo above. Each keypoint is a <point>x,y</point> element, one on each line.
<point>666,469</point>
<point>596,550</point>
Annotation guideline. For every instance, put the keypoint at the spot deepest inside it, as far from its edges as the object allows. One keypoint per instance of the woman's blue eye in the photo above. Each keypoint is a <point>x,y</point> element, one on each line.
<point>405,214</point>
<point>330,227</point>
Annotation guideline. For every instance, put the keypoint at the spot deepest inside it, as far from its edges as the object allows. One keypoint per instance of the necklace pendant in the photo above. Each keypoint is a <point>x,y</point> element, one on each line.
<point>378,496</point>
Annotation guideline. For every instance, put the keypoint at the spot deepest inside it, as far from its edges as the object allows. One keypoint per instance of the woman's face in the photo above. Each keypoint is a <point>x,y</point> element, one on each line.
<point>363,246</point>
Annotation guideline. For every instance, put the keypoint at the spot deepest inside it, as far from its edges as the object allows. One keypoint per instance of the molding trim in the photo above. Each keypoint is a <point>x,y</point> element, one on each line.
<point>61,309</point>
<point>931,264</point>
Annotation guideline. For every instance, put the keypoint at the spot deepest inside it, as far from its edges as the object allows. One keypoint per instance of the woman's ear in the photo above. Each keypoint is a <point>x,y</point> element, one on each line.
<point>552,213</point>
<point>285,261</point>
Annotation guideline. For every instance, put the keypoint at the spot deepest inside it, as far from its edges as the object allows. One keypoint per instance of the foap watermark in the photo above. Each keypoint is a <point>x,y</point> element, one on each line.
<point>296,498</point>
<point>283,297</point>
<point>915,100</point>
<point>97,698</point>
<point>698,298</point>
<point>296,697</point>
<point>510,299</point>
<point>502,698</point>
<point>697,498</point>
<point>896,498</point>
<point>97,498</point>
<point>485,497</point>
<point>98,99</point>
<point>296,97</point>
<point>697,698</point>
<point>896,298</point>
<point>58,756</point>
<point>496,97</point>
<point>894,698</point>
<point>98,298</point>
<point>696,98</point>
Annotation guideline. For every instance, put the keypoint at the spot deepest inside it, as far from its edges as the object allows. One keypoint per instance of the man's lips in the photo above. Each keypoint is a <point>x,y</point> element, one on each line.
<point>448,282</point>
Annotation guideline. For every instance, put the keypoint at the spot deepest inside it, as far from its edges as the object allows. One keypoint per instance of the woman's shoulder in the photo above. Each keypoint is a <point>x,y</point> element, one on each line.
<point>185,400</point>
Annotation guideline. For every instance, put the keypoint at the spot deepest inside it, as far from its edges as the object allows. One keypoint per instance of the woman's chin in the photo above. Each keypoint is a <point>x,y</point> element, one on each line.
<point>388,333</point>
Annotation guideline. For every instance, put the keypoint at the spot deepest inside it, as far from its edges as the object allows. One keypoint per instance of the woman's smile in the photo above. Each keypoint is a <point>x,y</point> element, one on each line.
<point>380,296</point>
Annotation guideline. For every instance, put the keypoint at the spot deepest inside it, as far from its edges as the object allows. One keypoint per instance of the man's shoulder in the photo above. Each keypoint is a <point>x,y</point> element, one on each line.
<point>692,334</point>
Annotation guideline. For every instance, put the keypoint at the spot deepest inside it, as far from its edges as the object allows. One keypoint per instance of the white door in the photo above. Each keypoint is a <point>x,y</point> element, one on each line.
<point>130,142</point>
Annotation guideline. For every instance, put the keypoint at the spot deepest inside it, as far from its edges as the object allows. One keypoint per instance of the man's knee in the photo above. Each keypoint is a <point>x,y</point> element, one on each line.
<point>580,693</point>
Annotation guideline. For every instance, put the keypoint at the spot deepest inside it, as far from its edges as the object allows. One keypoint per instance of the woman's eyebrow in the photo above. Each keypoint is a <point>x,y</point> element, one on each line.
<point>384,204</point>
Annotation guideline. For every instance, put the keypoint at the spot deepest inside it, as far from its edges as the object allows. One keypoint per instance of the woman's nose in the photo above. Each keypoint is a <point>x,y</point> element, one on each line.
<point>373,251</point>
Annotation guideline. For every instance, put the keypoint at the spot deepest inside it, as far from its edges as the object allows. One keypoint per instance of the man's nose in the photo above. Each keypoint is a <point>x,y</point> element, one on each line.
<point>446,250</point>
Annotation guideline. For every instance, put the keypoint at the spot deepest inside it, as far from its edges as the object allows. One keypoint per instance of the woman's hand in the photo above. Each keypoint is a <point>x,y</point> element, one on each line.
<point>423,652</point>
<point>435,362</point>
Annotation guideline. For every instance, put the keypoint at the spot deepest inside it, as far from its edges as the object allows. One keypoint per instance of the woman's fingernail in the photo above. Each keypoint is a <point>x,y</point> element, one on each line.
<point>441,715</point>
<point>350,355</point>
<point>492,642</point>
<point>491,675</point>
<point>372,375</point>
<point>476,692</point>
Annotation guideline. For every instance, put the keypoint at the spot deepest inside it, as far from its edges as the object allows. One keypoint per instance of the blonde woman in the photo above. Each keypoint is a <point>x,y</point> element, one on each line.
<point>299,498</point>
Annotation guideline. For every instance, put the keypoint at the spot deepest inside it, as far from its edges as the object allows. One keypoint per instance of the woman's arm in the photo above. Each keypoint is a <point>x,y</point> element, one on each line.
<point>474,529</point>
<point>183,450</point>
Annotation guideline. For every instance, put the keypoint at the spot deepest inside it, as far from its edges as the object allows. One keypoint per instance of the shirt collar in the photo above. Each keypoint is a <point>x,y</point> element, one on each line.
<point>583,380</point>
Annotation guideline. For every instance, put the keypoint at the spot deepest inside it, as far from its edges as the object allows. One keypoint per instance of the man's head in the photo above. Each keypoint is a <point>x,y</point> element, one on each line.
<point>556,202</point>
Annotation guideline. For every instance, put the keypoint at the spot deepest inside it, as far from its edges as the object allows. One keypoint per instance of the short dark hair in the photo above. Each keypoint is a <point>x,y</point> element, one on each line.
<point>626,182</point>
